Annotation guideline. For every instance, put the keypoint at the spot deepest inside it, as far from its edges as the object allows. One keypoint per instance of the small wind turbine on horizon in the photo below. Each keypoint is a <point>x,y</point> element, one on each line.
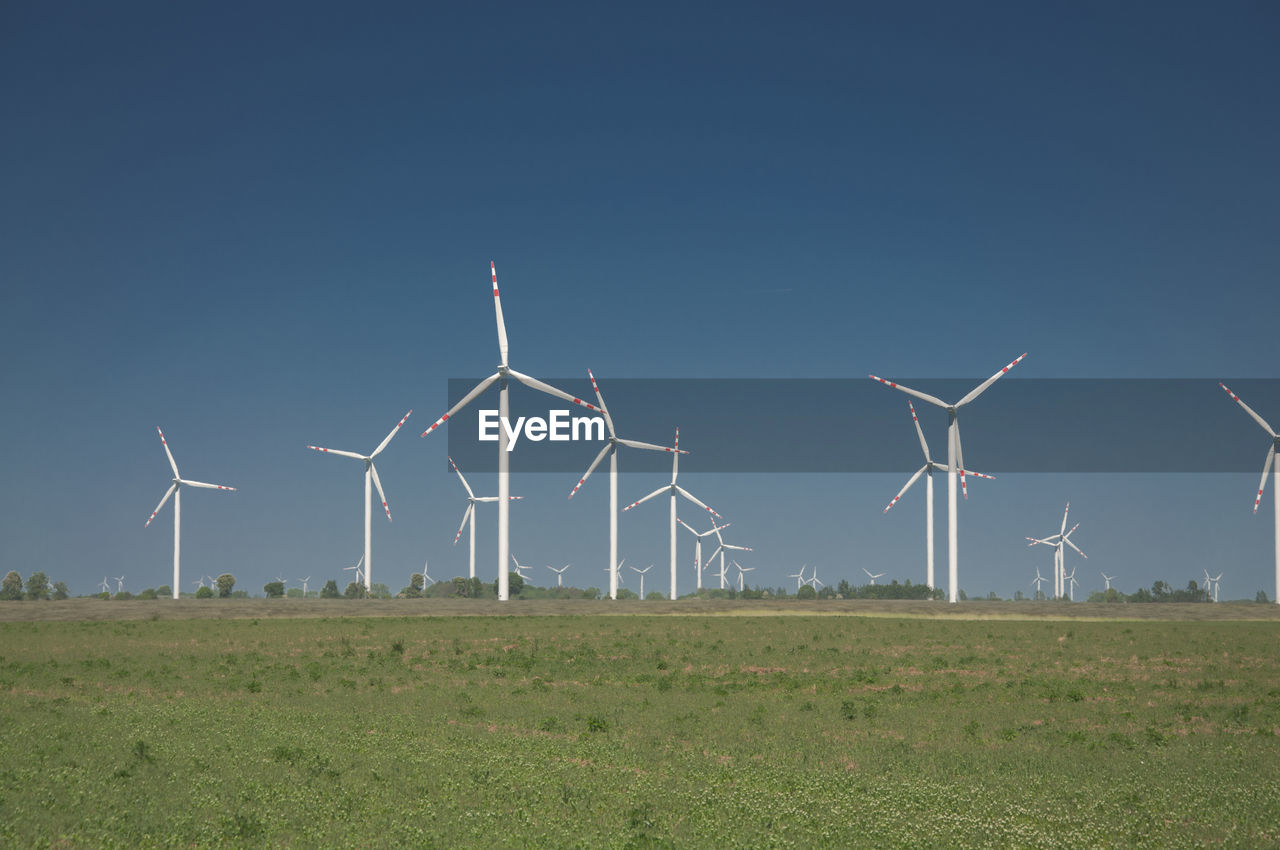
<point>1070,579</point>
<point>799,577</point>
<point>304,581</point>
<point>955,462</point>
<point>1211,584</point>
<point>1057,541</point>
<point>722,549</point>
<point>872,576</point>
<point>642,572</point>
<point>504,412</point>
<point>119,584</point>
<point>814,582</point>
<point>673,488</point>
<point>1266,467</point>
<point>697,545</point>
<point>1039,580</point>
<point>370,475</point>
<point>519,570</point>
<point>469,517</point>
<point>1108,579</point>
<point>175,490</point>
<point>611,448</point>
<point>741,572</point>
<point>359,573</point>
<point>106,587</point>
<point>559,573</point>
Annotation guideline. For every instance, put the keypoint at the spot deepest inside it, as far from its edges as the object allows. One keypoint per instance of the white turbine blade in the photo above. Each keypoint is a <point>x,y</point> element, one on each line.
<point>665,488</point>
<point>205,486</point>
<point>1071,532</point>
<point>1266,467</point>
<point>466,399</point>
<point>715,529</point>
<point>338,452</point>
<point>1247,409</point>
<point>608,420</point>
<point>922,396</point>
<point>910,481</point>
<point>534,383</point>
<point>167,494</point>
<point>919,433</point>
<point>465,485</point>
<point>592,468</point>
<point>1077,548</point>
<point>964,487</point>
<point>979,475</point>
<point>686,525</point>
<point>738,548</point>
<point>695,500</point>
<point>381,495</point>
<point>1064,519</point>
<point>466,515</point>
<point>497,311</point>
<point>980,388</point>
<point>383,444</point>
<point>636,444</point>
<point>713,554</point>
<point>169,454</point>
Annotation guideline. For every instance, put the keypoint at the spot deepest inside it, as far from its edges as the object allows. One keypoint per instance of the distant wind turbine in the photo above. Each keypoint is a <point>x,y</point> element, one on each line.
<point>1057,541</point>
<point>370,475</point>
<point>697,545</point>
<point>469,517</point>
<point>1039,580</point>
<point>1108,579</point>
<point>559,573</point>
<point>871,575</point>
<point>642,572</point>
<point>722,549</point>
<point>175,490</point>
<point>799,577</point>
<point>741,572</point>
<point>106,588</point>
<point>304,581</point>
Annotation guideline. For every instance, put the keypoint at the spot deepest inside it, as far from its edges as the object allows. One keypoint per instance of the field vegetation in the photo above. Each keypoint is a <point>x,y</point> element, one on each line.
<point>581,730</point>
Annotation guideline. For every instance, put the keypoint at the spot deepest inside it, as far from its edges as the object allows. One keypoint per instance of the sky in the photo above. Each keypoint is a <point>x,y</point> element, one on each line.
<point>263,228</point>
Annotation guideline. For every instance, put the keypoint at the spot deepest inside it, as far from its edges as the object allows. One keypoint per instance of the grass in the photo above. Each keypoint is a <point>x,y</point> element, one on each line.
<point>639,731</point>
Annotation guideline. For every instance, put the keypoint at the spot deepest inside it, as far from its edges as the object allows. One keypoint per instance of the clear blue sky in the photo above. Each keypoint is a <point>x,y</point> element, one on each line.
<point>263,227</point>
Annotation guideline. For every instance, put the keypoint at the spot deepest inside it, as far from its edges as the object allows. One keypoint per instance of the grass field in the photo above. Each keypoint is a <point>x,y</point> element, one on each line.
<point>781,729</point>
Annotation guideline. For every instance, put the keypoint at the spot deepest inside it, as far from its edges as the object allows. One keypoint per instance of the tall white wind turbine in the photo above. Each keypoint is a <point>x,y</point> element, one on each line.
<point>697,545</point>
<point>469,516</point>
<point>175,490</point>
<point>927,471</point>
<point>504,412</point>
<point>1058,541</point>
<point>673,488</point>
<point>722,549</point>
<point>1266,467</point>
<point>955,462</point>
<point>370,475</point>
<point>611,449</point>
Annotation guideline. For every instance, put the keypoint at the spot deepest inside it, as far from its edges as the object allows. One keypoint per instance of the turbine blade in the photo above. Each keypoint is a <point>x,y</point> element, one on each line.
<point>466,515</point>
<point>608,420</point>
<point>466,399</point>
<point>910,481</point>
<point>665,488</point>
<point>1266,467</point>
<point>980,388</point>
<point>338,452</point>
<point>383,444</point>
<point>534,383</point>
<point>1077,548</point>
<point>922,396</point>
<point>1247,409</point>
<point>497,311</point>
<point>167,494</point>
<point>1064,519</point>
<point>636,444</point>
<point>205,486</point>
<point>592,468</point>
<point>381,495</point>
<point>465,485</point>
<point>713,554</point>
<point>694,499</point>
<point>168,453</point>
<point>964,487</point>
<point>919,433</point>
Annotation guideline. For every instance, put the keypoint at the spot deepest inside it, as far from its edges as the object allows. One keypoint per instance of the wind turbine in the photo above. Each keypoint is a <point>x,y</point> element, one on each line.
<point>1266,466</point>
<point>304,585</point>
<point>1039,580</point>
<point>722,548</point>
<point>616,573</point>
<point>927,470</point>
<point>814,582</point>
<point>359,572</point>
<point>519,568</point>
<point>1070,578</point>
<point>1211,584</point>
<point>741,571</point>
<point>119,584</point>
<point>106,588</point>
<point>642,572</point>
<point>175,490</point>
<point>469,516</point>
<point>674,488</point>
<point>872,576</point>
<point>199,583</point>
<point>1057,541</point>
<point>697,545</point>
<point>370,474</point>
<point>955,462</point>
<point>1108,579</point>
<point>1217,582</point>
<point>799,577</point>
<point>559,573</point>
<point>427,581</point>
<point>504,411</point>
<point>611,448</point>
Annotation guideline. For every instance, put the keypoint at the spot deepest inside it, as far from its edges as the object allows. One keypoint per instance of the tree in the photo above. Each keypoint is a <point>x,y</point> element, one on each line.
<point>1261,597</point>
<point>378,590</point>
<point>416,582</point>
<point>844,589</point>
<point>274,589</point>
<point>355,590</point>
<point>60,590</point>
<point>148,594</point>
<point>330,590</point>
<point>203,592</point>
<point>37,586</point>
<point>515,584</point>
<point>11,587</point>
<point>226,582</point>
<point>164,591</point>
<point>806,592</point>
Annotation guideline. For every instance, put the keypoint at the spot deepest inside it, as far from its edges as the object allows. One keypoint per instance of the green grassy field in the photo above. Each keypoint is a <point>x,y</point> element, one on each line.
<point>639,731</point>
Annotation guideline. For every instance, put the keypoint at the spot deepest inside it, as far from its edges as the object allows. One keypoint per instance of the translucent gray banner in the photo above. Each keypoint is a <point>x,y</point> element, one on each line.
<point>851,425</point>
